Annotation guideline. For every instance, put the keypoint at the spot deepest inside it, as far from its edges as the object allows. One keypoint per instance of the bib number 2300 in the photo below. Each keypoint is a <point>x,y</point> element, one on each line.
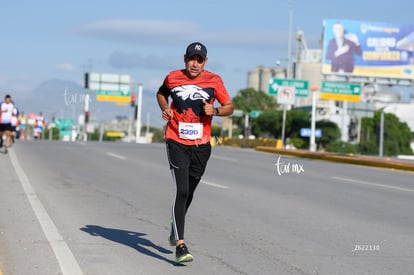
<point>190,130</point>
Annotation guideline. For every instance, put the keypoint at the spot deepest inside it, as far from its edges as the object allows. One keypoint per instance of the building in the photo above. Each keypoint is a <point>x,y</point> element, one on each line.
<point>258,79</point>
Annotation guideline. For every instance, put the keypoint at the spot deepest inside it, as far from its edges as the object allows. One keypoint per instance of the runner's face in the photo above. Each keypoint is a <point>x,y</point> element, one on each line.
<point>194,65</point>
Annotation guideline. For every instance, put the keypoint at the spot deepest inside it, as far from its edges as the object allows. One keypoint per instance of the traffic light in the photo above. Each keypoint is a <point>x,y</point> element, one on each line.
<point>133,99</point>
<point>86,117</point>
<point>86,80</point>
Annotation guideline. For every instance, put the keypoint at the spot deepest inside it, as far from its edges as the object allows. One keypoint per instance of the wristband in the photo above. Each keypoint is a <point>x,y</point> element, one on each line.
<point>216,111</point>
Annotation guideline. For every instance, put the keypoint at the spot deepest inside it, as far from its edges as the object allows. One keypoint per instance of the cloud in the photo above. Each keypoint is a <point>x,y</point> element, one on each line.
<point>157,32</point>
<point>67,67</point>
<point>125,60</point>
<point>137,31</point>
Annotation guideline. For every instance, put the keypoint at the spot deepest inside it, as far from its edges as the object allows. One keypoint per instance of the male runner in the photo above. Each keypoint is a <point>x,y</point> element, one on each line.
<point>193,91</point>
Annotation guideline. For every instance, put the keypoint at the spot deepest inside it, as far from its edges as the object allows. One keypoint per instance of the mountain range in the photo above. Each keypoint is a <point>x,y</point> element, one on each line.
<point>66,99</point>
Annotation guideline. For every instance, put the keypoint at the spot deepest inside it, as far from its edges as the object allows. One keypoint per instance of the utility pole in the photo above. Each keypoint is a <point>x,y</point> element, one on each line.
<point>312,145</point>
<point>381,136</point>
<point>86,107</point>
<point>288,69</point>
<point>139,106</point>
<point>289,61</point>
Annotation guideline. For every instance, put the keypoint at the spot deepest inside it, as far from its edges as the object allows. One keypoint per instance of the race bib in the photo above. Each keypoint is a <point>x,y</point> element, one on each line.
<point>190,130</point>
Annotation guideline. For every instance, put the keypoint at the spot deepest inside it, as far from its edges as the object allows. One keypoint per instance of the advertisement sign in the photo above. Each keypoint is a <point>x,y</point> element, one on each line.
<point>360,48</point>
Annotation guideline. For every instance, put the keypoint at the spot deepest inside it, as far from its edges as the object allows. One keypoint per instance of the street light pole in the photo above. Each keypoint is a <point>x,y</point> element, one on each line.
<point>288,67</point>
<point>315,96</point>
<point>246,125</point>
<point>288,72</point>
<point>86,120</point>
<point>381,137</point>
<point>283,126</point>
<point>138,122</point>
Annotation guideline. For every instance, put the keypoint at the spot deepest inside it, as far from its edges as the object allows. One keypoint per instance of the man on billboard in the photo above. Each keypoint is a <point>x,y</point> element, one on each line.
<point>341,50</point>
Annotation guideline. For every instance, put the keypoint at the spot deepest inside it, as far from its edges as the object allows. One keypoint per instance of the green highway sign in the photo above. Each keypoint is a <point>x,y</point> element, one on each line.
<point>341,87</point>
<point>64,123</point>
<point>255,114</point>
<point>118,96</point>
<point>301,86</point>
<point>65,126</point>
<point>109,87</point>
<point>340,91</point>
<point>113,93</point>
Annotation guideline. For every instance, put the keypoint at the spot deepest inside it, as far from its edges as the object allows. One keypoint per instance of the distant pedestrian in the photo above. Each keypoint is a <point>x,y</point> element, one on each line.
<point>6,112</point>
<point>22,125</point>
<point>39,125</point>
<point>14,123</point>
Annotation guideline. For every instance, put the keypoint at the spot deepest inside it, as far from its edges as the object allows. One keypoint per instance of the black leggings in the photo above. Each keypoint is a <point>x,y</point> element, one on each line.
<point>187,164</point>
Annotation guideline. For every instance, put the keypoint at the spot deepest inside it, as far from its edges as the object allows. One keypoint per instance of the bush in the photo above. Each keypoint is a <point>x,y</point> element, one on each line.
<point>342,147</point>
<point>299,143</point>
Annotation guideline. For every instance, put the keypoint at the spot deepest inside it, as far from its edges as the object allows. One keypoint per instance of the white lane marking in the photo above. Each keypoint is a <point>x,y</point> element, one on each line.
<point>214,184</point>
<point>67,262</point>
<point>115,155</point>
<point>375,184</point>
<point>225,158</point>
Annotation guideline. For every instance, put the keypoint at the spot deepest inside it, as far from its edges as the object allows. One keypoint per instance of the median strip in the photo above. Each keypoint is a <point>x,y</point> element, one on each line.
<point>350,159</point>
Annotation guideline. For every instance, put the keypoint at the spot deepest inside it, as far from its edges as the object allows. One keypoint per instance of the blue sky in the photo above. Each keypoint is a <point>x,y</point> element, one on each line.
<point>42,40</point>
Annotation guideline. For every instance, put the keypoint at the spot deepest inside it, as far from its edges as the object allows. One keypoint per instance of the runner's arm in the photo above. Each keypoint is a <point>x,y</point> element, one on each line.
<point>225,109</point>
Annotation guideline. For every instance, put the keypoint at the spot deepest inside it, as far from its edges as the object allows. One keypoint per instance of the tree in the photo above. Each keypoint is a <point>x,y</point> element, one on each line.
<point>249,100</point>
<point>397,135</point>
<point>295,120</point>
<point>330,133</point>
<point>269,123</point>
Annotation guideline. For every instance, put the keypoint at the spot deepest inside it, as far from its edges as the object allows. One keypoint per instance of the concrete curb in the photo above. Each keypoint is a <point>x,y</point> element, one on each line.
<point>350,159</point>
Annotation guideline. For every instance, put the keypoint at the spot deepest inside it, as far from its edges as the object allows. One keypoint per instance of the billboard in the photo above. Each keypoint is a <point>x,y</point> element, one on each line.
<point>360,48</point>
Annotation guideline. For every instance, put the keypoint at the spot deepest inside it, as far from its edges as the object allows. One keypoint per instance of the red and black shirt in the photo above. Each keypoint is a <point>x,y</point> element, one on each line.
<point>189,125</point>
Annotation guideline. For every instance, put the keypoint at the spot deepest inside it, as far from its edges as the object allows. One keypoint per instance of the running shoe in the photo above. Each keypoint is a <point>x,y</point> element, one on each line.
<point>182,254</point>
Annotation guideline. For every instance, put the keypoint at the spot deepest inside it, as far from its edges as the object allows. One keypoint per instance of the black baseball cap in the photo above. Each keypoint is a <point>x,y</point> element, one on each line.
<point>196,48</point>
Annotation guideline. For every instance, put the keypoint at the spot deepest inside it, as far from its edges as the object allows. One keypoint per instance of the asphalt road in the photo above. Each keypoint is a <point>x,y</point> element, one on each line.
<point>103,208</point>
